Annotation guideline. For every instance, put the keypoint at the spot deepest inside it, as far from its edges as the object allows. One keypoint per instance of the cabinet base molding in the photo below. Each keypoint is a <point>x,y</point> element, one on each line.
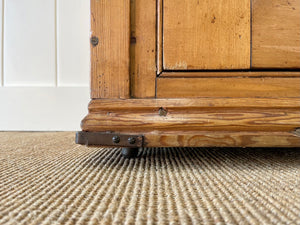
<point>201,122</point>
<point>209,139</point>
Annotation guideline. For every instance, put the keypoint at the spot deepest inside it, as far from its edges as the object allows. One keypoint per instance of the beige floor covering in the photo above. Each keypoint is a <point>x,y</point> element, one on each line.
<point>47,179</point>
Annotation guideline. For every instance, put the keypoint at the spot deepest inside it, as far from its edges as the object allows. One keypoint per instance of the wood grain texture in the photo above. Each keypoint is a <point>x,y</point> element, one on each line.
<point>143,48</point>
<point>99,105</point>
<point>110,22</point>
<point>231,74</point>
<point>223,122</point>
<point>208,34</point>
<point>192,139</point>
<point>221,139</point>
<point>221,119</point>
<point>228,87</point>
<point>142,115</point>
<point>276,34</point>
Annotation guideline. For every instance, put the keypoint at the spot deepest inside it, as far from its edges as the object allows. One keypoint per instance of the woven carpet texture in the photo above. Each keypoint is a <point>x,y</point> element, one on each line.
<point>45,178</point>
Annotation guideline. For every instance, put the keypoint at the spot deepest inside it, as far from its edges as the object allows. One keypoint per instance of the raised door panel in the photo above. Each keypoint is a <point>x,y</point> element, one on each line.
<point>276,34</point>
<point>206,34</point>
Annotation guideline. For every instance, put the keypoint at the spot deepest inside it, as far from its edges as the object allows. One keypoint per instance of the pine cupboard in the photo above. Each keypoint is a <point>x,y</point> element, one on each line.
<point>194,73</point>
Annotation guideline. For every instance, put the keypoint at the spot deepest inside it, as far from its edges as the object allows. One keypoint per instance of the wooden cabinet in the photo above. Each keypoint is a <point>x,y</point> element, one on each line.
<point>194,73</point>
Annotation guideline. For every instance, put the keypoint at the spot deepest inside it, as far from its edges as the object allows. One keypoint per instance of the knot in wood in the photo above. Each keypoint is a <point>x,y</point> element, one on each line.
<point>162,111</point>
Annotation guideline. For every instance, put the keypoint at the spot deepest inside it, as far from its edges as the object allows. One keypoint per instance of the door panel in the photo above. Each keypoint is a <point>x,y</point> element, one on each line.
<point>276,34</point>
<point>206,34</point>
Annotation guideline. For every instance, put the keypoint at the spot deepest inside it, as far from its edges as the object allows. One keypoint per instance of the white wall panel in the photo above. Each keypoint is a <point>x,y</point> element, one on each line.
<point>29,43</point>
<point>43,47</point>
<point>1,42</point>
<point>43,108</point>
<point>73,21</point>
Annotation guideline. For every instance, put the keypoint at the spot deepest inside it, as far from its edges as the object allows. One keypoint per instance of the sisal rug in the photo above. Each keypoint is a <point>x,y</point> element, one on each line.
<point>47,179</point>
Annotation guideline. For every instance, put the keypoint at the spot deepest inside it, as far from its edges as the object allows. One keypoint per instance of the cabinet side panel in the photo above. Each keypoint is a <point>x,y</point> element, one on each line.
<point>110,23</point>
<point>276,34</point>
<point>143,48</point>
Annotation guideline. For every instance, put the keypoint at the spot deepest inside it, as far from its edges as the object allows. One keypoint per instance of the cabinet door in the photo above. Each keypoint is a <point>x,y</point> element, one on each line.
<point>210,49</point>
<point>206,34</point>
<point>276,34</point>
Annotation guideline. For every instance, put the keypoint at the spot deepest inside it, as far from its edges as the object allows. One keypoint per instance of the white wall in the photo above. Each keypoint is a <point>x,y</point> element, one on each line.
<point>44,64</point>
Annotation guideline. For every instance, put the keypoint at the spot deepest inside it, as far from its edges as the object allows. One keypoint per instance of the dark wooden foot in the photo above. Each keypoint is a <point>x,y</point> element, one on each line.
<point>130,152</point>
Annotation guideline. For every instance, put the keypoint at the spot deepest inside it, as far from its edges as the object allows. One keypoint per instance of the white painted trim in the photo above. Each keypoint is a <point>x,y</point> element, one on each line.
<point>42,108</point>
<point>1,41</point>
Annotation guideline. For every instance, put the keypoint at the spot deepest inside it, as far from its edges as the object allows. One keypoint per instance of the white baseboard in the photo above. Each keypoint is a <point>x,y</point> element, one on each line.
<point>43,108</point>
